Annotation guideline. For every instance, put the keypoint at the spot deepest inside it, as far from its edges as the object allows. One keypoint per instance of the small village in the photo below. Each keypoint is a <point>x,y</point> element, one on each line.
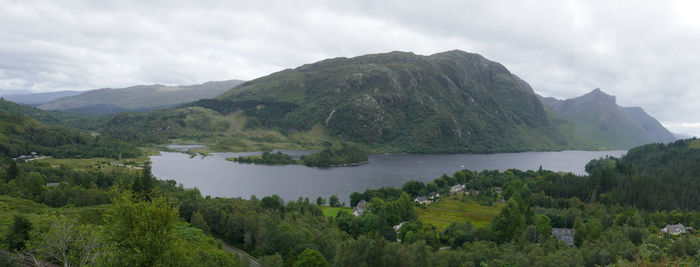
<point>566,235</point>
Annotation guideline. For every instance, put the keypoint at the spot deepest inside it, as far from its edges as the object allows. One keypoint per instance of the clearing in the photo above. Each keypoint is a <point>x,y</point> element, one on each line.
<point>448,210</point>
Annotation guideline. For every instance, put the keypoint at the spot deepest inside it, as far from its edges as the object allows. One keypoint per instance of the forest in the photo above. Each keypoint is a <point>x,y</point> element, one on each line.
<point>613,224</point>
<point>21,136</point>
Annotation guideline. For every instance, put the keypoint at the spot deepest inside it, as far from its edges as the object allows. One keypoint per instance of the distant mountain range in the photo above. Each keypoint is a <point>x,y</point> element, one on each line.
<point>393,102</point>
<point>399,102</point>
<point>597,117</point>
<point>35,99</point>
<point>136,98</point>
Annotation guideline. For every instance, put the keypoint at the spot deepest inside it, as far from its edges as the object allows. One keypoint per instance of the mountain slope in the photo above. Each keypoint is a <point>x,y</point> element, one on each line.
<point>39,98</point>
<point>447,102</point>
<point>21,135</point>
<point>29,111</point>
<point>597,117</point>
<point>138,98</point>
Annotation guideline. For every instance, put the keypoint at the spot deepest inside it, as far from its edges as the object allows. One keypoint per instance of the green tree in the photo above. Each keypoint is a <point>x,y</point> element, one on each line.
<point>62,239</point>
<point>145,183</point>
<point>198,221</point>
<point>140,231</point>
<point>273,202</point>
<point>18,234</point>
<point>311,258</point>
<point>509,223</point>
<point>413,188</point>
<point>274,260</point>
<point>320,201</point>
<point>33,184</point>
<point>334,201</point>
<point>12,171</point>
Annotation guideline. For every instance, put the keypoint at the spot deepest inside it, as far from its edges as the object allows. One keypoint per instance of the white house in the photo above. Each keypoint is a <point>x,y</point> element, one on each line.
<point>359,209</point>
<point>674,229</point>
<point>423,200</point>
<point>458,188</point>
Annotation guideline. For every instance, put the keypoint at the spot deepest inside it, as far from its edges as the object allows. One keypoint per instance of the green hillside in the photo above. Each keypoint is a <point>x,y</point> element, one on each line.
<point>20,135</point>
<point>29,111</point>
<point>448,102</point>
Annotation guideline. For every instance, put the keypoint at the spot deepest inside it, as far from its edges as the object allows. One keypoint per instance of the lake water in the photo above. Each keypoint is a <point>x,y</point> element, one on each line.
<point>215,176</point>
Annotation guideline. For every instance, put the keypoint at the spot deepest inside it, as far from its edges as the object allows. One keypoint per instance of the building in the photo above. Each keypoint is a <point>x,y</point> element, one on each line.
<point>423,200</point>
<point>359,209</point>
<point>458,188</point>
<point>564,234</point>
<point>675,229</point>
<point>52,184</point>
<point>398,227</point>
<point>498,190</point>
<point>433,195</point>
<point>32,155</point>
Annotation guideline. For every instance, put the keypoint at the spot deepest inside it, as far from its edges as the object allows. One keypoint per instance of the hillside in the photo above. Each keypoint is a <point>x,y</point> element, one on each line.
<point>597,117</point>
<point>20,135</point>
<point>39,98</point>
<point>29,111</point>
<point>447,102</point>
<point>137,98</point>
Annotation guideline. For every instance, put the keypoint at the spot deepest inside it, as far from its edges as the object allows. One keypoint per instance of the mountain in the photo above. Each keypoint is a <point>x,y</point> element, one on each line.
<point>39,98</point>
<point>137,98</point>
<point>447,102</point>
<point>597,117</point>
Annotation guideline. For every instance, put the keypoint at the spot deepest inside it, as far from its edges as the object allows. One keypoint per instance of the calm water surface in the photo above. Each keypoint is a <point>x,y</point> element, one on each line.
<point>215,176</point>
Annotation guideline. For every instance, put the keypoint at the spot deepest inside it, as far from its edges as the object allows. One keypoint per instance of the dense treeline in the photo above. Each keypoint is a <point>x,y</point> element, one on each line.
<point>347,154</point>
<point>75,187</point>
<point>266,158</point>
<point>344,156</point>
<point>650,177</point>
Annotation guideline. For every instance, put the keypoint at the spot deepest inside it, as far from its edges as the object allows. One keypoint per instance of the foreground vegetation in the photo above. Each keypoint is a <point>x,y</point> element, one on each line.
<point>128,218</point>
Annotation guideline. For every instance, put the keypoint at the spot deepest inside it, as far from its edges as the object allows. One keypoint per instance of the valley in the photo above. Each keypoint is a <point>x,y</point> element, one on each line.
<point>448,154</point>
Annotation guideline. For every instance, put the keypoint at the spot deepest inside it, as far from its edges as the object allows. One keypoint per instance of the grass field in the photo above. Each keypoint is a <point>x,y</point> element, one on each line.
<point>446,211</point>
<point>332,211</point>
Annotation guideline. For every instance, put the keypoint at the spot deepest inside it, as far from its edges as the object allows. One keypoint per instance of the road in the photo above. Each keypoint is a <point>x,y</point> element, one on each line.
<point>253,262</point>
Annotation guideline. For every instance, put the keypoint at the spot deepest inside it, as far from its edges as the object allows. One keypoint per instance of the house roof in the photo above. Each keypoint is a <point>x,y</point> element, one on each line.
<point>421,199</point>
<point>674,228</point>
<point>564,234</point>
<point>457,187</point>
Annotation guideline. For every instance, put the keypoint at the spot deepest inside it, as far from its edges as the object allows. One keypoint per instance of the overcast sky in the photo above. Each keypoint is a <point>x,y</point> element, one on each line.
<point>646,54</point>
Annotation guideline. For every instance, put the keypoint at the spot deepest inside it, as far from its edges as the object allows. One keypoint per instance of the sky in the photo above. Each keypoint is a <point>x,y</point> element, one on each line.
<point>647,53</point>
